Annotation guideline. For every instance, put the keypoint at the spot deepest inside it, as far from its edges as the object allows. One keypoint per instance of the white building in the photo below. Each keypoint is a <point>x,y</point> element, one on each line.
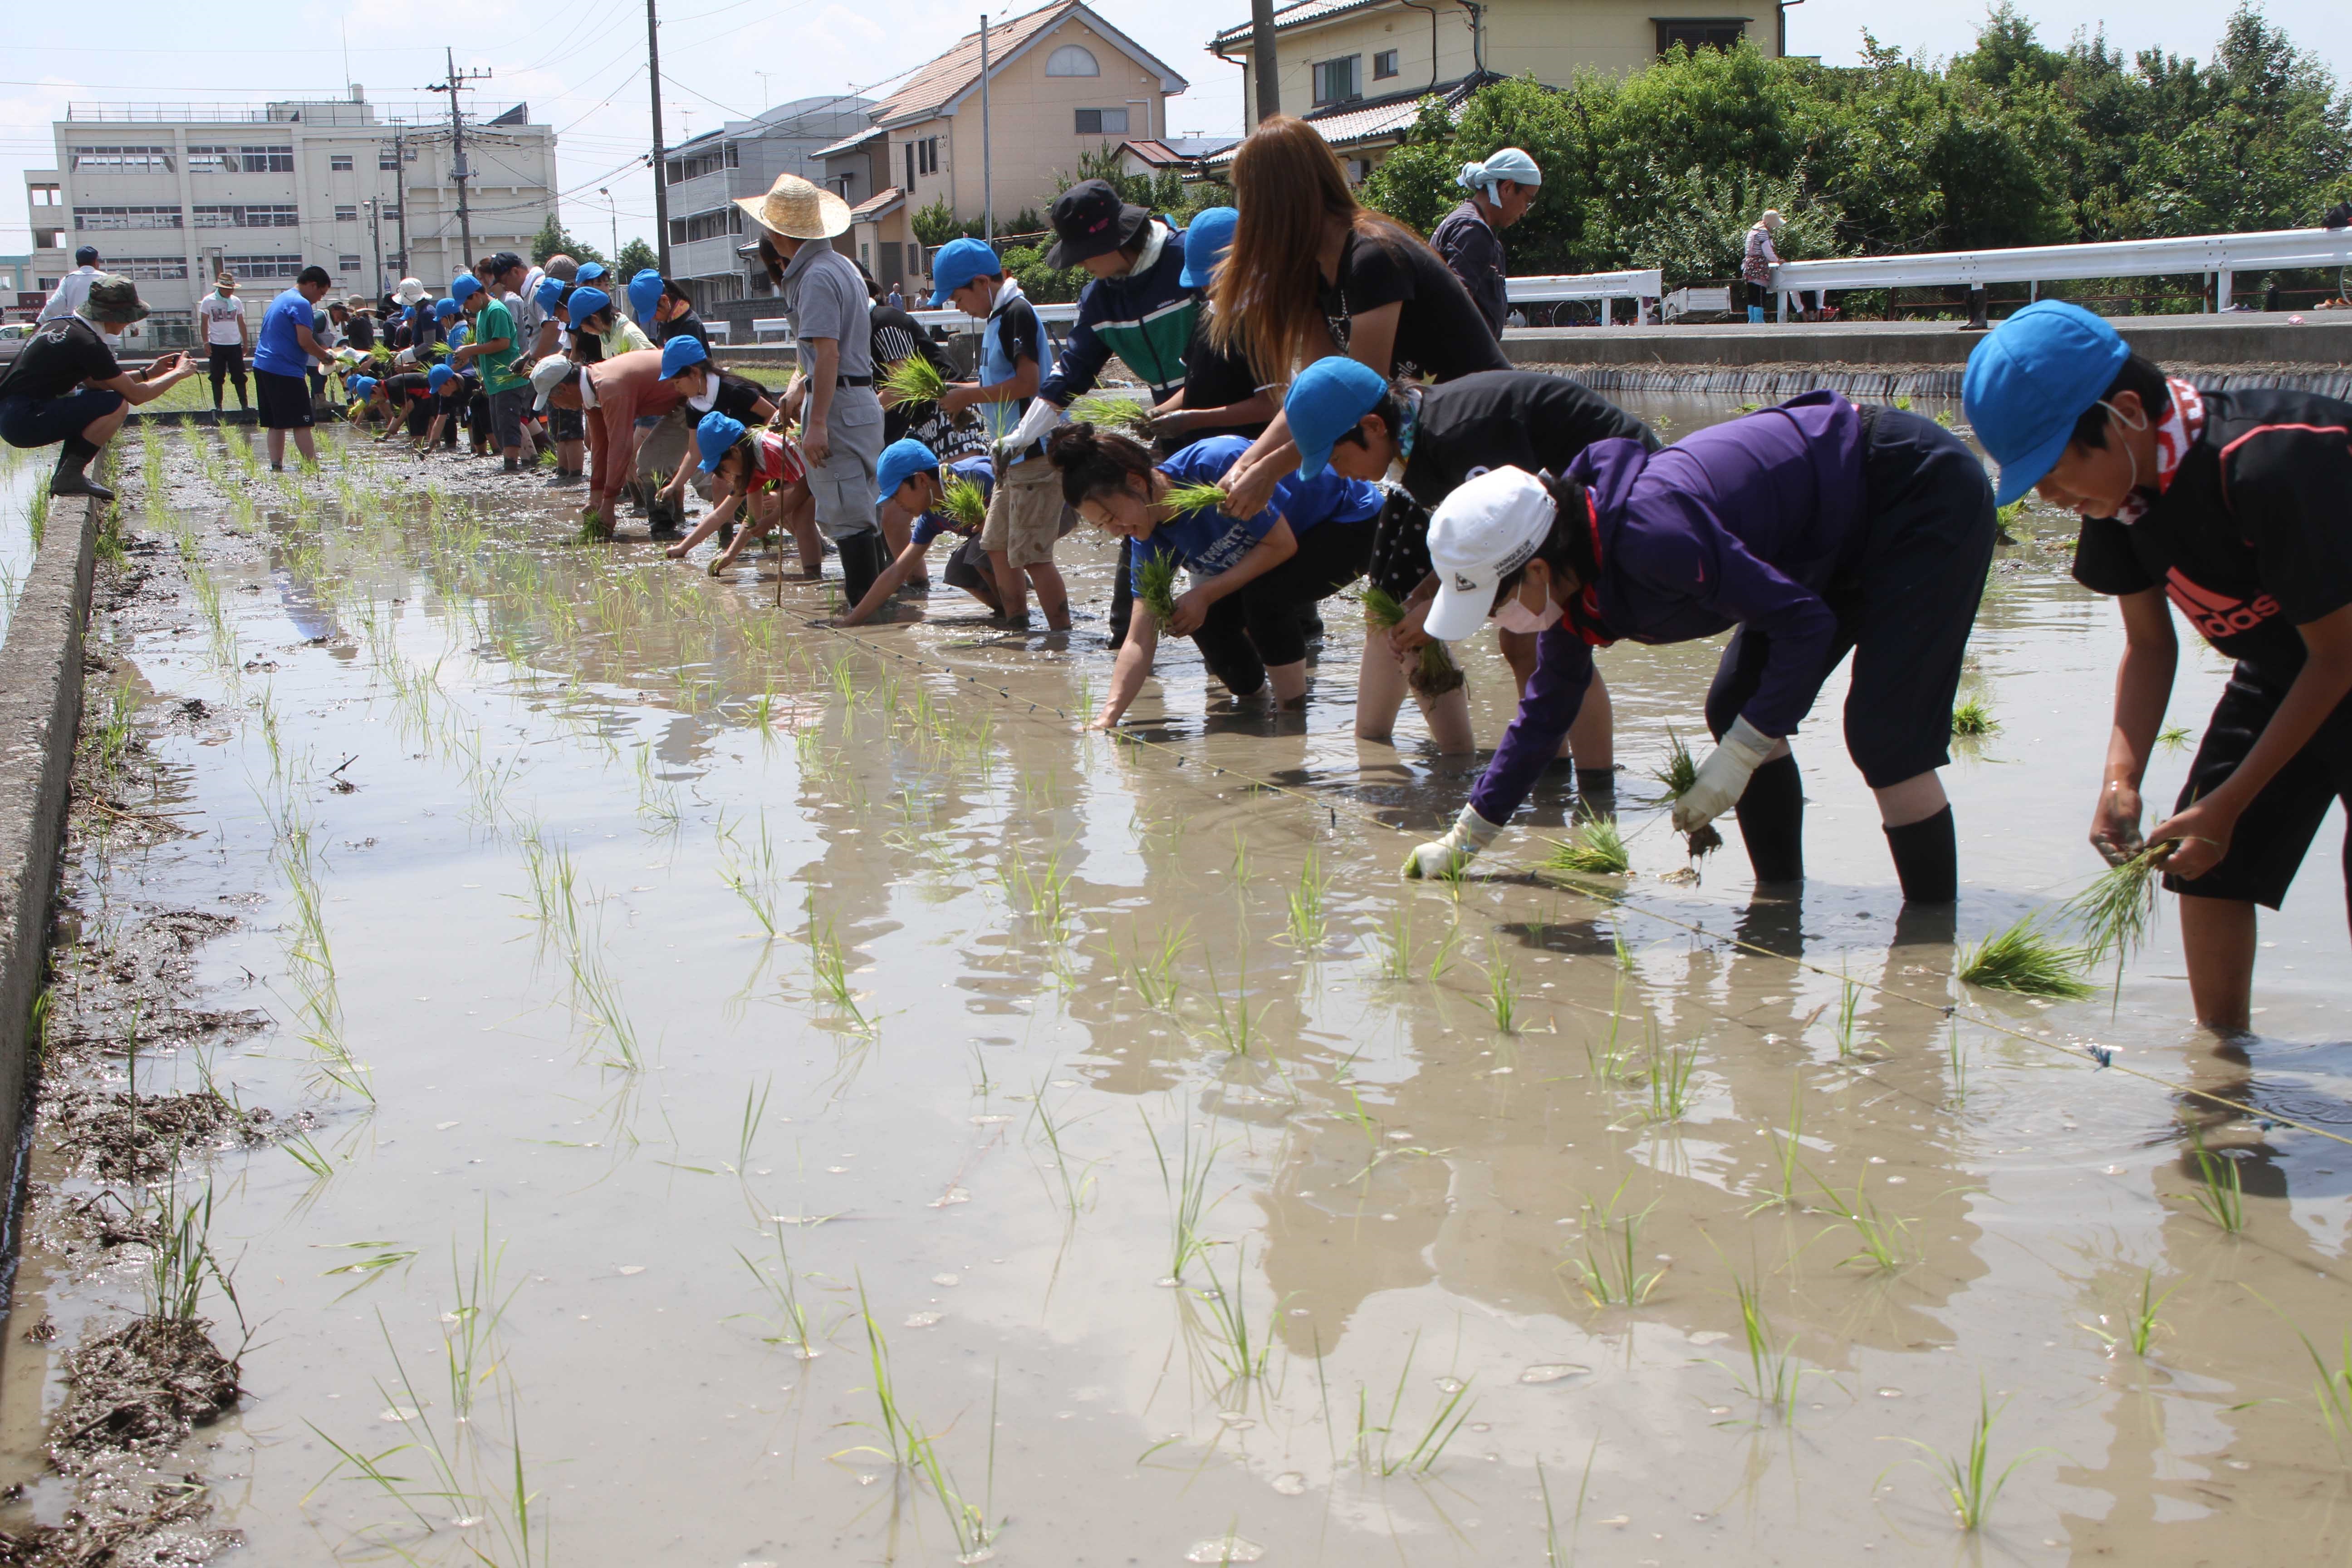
<point>743,158</point>
<point>172,194</point>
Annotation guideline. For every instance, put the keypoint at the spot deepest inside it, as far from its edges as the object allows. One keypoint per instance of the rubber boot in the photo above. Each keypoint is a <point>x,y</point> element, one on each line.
<point>861,562</point>
<point>1927,858</point>
<point>69,480</point>
<point>1771,816</point>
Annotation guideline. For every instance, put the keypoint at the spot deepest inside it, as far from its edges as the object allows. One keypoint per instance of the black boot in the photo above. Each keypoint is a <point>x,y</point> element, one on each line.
<point>1926,859</point>
<point>69,480</point>
<point>1771,816</point>
<point>861,562</point>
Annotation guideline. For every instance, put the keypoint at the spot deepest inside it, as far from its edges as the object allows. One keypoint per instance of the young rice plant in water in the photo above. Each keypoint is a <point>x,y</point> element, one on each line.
<point>2024,960</point>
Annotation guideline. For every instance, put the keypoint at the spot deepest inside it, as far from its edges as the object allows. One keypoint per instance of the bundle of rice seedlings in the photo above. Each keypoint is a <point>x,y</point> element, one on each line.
<point>1595,849</point>
<point>1434,673</point>
<point>1972,720</point>
<point>1156,584</point>
<point>914,379</point>
<point>1680,773</point>
<point>1110,411</point>
<point>2117,911</point>
<point>964,502</point>
<point>2024,960</point>
<point>1182,499</point>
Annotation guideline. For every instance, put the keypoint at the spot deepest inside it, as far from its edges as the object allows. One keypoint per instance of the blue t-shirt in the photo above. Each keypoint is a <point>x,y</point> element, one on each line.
<point>278,350</point>
<point>981,471</point>
<point>1208,543</point>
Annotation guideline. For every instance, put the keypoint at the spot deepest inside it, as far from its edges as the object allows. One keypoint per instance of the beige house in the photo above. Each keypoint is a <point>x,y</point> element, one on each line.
<point>1358,68</point>
<point>1062,82</point>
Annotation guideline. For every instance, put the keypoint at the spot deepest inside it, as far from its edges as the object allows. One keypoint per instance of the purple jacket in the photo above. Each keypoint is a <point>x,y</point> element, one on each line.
<point>1744,523</point>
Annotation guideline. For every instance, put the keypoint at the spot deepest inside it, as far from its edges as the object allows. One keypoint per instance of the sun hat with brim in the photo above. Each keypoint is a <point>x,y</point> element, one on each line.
<point>1324,403</point>
<point>715,438</point>
<point>958,263</point>
<point>545,377</point>
<point>1487,528</point>
<point>1206,239</point>
<point>587,302</point>
<point>797,209</point>
<point>901,460</point>
<point>2029,380</point>
<point>681,355</point>
<point>411,291</point>
<point>1089,219</point>
<point>112,298</point>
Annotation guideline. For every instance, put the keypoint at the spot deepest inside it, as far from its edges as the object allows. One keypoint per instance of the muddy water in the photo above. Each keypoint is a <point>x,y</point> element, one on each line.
<point>591,1116</point>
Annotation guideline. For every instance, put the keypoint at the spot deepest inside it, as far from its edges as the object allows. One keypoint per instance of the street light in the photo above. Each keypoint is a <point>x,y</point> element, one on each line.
<point>615,208</point>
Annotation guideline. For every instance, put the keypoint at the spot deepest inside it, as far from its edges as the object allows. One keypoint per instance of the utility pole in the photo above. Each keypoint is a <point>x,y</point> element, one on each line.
<point>457,170</point>
<point>376,234</point>
<point>661,168</point>
<point>987,185</point>
<point>1262,63</point>
<point>400,189</point>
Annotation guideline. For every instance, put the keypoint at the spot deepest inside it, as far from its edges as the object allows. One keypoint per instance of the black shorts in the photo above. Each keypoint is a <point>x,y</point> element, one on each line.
<point>968,569</point>
<point>1400,547</point>
<point>420,417</point>
<point>566,424</point>
<point>1257,624</point>
<point>228,359</point>
<point>2275,832</point>
<point>284,401</point>
<point>1903,608</point>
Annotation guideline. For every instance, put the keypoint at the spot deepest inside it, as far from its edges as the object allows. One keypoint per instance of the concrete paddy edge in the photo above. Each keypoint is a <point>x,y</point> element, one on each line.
<point>40,717</point>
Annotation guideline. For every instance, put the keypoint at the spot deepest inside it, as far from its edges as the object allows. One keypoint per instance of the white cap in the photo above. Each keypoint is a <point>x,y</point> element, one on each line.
<point>410,291</point>
<point>1487,528</point>
<point>546,376</point>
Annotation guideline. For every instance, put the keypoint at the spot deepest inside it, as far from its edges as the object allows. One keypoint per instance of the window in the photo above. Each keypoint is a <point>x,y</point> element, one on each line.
<point>339,163</point>
<point>1702,33</point>
<point>347,263</point>
<point>263,265</point>
<point>914,259</point>
<point>733,160</point>
<point>1102,121</point>
<point>923,158</point>
<point>150,269</point>
<point>127,218</point>
<point>347,215</point>
<point>268,160</point>
<point>273,217</point>
<point>1384,64</point>
<point>392,212</point>
<point>709,161</point>
<point>47,196</point>
<point>1071,60</point>
<point>211,161</point>
<point>1336,81</point>
<point>123,160</point>
<point>710,225</point>
<point>385,158</point>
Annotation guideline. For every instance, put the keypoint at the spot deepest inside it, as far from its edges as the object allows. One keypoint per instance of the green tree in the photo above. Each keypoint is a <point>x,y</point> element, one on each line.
<point>553,240</point>
<point>634,258</point>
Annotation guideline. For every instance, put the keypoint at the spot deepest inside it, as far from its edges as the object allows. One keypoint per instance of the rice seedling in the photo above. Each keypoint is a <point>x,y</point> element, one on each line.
<point>1152,972</point>
<point>1077,1189</point>
<point>1609,1271</point>
<point>1670,1082</point>
<point>1181,498</point>
<point>1972,720</point>
<point>1956,1059</point>
<point>2024,960</point>
<point>829,967</point>
<point>1884,1241</point>
<point>377,1260</point>
<point>1441,958</point>
<point>2173,737</point>
<point>1595,849</point>
<point>748,1133</point>
<point>37,513</point>
<point>1502,994</point>
<point>1187,1186</point>
<point>2117,911</point>
<point>1679,773</point>
<point>308,1154</point>
<point>1773,1373</point>
<point>1392,945</point>
<point>1129,416</point>
<point>1436,1432</point>
<point>1233,1345</point>
<point>596,992</point>
<point>1607,1055</point>
<point>2141,1321</point>
<point>2219,1195</point>
<point>782,1289</point>
<point>1968,1478</point>
<point>1043,891</point>
<point>1849,1006</point>
<point>1434,671</point>
<point>914,379</point>
<point>1235,1022</point>
<point>1308,926</point>
<point>963,501</point>
<point>893,1426</point>
<point>1552,1554</point>
<point>1155,585</point>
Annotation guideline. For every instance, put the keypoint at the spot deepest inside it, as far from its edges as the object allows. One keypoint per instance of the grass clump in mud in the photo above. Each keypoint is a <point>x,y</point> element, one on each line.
<point>1433,672</point>
<point>1595,849</point>
<point>1972,720</point>
<point>2024,960</point>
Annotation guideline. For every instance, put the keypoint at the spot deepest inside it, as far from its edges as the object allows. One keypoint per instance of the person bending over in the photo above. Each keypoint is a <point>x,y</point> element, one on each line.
<point>764,473</point>
<point>914,485</point>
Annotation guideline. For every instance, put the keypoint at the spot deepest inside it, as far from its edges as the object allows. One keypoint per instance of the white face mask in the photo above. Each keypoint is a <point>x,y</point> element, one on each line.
<point>1515,617</point>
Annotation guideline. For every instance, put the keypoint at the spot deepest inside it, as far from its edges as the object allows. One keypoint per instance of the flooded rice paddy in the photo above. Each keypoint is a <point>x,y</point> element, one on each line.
<point>776,1096</point>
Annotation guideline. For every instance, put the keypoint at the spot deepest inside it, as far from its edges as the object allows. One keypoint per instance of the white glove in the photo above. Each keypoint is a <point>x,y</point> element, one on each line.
<point>1042,417</point>
<point>1447,856</point>
<point>1723,777</point>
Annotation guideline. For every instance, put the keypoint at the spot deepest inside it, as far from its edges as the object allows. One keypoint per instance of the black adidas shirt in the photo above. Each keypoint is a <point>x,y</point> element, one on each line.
<point>1507,418</point>
<point>2252,540</point>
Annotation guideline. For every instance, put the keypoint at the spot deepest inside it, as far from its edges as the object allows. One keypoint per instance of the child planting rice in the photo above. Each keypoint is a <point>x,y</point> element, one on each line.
<point>2227,506</point>
<point>760,471</point>
<point>1251,576</point>
<point>951,498</point>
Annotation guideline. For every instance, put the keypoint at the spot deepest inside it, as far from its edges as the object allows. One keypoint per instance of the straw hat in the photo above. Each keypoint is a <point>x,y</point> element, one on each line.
<point>797,209</point>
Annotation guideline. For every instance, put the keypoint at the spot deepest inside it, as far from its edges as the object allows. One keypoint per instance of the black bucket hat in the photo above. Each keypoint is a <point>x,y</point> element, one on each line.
<point>1089,219</point>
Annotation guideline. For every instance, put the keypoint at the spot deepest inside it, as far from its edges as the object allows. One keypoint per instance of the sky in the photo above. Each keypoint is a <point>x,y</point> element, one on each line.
<point>585,73</point>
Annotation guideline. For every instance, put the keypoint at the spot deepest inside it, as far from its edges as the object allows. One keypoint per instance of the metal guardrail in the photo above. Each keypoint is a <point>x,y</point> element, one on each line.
<point>1643,287</point>
<point>2216,256</point>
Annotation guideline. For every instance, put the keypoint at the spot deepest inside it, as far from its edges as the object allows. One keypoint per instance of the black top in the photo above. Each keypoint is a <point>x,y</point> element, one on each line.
<point>1440,334</point>
<point>739,397</point>
<point>897,336</point>
<point>1017,332</point>
<point>690,325</point>
<point>1475,251</point>
<point>57,359</point>
<point>2251,540</point>
<point>1217,378</point>
<point>1516,418</point>
<point>359,331</point>
<point>406,388</point>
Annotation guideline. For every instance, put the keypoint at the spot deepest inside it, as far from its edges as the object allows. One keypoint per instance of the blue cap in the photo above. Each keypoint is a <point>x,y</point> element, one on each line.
<point>901,460</point>
<point>444,308</point>
<point>958,263</point>
<point>549,294</point>
<point>439,377</point>
<point>361,386</point>
<point>1206,239</point>
<point>715,436</point>
<point>681,354</point>
<point>587,302</point>
<point>463,286</point>
<point>589,273</point>
<point>645,293</point>
<point>2029,380</point>
<point>86,255</point>
<point>1324,403</point>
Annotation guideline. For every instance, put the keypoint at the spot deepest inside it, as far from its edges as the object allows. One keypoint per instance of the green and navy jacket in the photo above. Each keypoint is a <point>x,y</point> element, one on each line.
<point>1146,318</point>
